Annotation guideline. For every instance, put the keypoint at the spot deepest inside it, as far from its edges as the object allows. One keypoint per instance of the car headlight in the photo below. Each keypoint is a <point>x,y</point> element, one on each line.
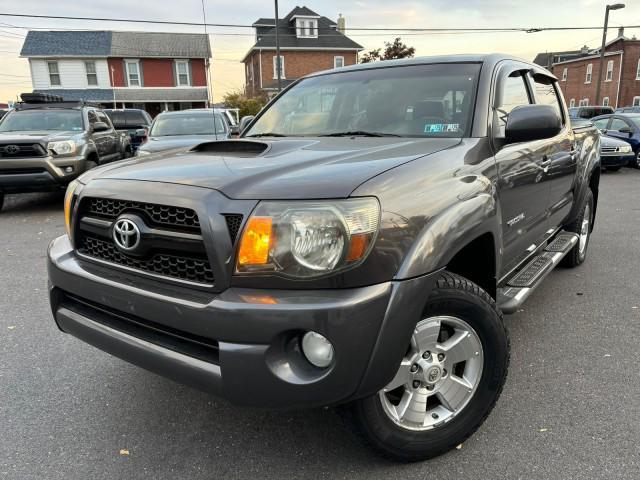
<point>624,149</point>
<point>72,190</point>
<point>304,239</point>
<point>66,147</point>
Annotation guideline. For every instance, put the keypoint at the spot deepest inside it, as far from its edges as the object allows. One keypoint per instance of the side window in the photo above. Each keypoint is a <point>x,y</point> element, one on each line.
<point>546,93</point>
<point>513,93</point>
<point>91,115</point>
<point>601,123</point>
<point>104,119</point>
<point>617,124</point>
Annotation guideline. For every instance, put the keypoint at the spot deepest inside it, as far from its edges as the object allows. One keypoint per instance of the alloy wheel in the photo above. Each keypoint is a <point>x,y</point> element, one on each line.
<point>437,377</point>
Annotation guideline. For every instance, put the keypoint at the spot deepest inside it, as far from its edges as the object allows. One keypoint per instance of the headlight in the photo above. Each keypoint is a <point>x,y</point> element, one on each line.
<point>68,204</point>
<point>624,149</point>
<point>305,239</point>
<point>67,147</point>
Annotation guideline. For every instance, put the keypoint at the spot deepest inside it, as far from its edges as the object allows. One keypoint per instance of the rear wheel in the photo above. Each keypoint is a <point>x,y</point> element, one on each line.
<point>448,381</point>
<point>582,226</point>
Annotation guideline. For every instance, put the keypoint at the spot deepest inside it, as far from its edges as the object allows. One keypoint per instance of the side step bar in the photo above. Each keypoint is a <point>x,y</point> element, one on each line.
<point>522,284</point>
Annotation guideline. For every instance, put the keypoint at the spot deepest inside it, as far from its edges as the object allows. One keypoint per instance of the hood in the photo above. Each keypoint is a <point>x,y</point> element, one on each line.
<point>37,136</point>
<point>160,144</point>
<point>282,169</point>
<point>606,141</point>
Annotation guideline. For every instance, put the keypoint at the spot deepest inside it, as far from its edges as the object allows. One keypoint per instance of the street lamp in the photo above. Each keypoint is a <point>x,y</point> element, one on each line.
<point>615,6</point>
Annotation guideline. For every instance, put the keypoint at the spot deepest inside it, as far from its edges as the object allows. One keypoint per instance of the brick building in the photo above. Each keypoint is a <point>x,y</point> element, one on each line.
<point>308,43</point>
<point>578,71</point>
<point>148,70</point>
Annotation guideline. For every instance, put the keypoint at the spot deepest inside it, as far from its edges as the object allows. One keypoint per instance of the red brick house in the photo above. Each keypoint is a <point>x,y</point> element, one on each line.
<point>578,71</point>
<point>308,43</point>
<point>148,70</point>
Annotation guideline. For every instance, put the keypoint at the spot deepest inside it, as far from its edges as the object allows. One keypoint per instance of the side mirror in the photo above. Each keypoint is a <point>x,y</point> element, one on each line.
<point>626,130</point>
<point>532,122</point>
<point>234,130</point>
<point>141,132</point>
<point>244,122</point>
<point>100,127</point>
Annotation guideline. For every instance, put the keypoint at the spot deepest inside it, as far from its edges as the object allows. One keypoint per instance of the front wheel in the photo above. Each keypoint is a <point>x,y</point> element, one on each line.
<point>448,381</point>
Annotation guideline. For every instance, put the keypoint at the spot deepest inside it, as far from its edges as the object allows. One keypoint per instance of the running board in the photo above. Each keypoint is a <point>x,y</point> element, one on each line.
<point>523,283</point>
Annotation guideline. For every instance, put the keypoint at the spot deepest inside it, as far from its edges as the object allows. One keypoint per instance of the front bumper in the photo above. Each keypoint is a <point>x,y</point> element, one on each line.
<point>38,174</point>
<point>242,343</point>
<point>617,160</point>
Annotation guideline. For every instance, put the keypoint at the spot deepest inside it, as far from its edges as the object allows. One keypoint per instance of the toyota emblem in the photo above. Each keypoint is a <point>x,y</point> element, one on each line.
<point>126,234</point>
<point>11,149</point>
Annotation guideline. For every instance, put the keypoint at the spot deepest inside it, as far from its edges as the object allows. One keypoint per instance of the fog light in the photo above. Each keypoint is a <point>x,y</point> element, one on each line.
<point>317,349</point>
<point>68,170</point>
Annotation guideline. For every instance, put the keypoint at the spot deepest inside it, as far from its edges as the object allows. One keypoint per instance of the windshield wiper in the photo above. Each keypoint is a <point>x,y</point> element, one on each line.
<point>267,134</point>
<point>359,133</point>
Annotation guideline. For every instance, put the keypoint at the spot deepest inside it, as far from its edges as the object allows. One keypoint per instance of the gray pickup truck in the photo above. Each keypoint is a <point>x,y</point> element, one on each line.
<point>46,145</point>
<point>356,247</point>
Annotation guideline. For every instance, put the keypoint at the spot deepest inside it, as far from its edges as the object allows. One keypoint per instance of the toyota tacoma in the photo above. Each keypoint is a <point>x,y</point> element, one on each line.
<point>356,247</point>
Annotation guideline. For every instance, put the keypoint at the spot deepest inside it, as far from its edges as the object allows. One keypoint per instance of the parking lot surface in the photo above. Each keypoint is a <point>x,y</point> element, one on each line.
<point>570,408</point>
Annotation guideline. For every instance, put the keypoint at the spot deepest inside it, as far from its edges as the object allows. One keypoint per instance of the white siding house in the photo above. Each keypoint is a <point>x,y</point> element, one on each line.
<point>73,73</point>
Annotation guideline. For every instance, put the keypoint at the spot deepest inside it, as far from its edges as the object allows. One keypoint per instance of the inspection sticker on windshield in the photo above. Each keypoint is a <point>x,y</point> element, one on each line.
<point>441,127</point>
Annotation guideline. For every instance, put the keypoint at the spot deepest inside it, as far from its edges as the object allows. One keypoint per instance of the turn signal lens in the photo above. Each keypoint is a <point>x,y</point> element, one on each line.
<point>256,242</point>
<point>359,246</point>
<point>68,205</point>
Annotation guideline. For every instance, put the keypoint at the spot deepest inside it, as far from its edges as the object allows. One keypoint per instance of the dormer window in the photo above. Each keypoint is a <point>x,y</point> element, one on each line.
<point>306,27</point>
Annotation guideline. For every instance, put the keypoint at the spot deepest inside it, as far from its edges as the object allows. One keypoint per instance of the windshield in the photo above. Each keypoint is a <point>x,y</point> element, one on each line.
<point>415,101</point>
<point>42,120</point>
<point>187,124</point>
<point>635,119</point>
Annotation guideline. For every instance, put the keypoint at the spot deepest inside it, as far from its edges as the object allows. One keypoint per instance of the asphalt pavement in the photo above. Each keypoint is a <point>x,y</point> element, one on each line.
<point>570,408</point>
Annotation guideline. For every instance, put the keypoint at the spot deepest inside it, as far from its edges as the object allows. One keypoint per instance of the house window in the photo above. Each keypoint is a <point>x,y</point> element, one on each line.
<point>609,76</point>
<point>338,62</point>
<point>605,101</point>
<point>564,74</point>
<point>572,103</point>
<point>183,79</point>
<point>584,102</point>
<point>306,27</point>
<point>133,73</point>
<point>54,73</point>
<point>587,78</point>
<point>636,101</point>
<point>638,70</point>
<point>275,67</point>
<point>92,76</point>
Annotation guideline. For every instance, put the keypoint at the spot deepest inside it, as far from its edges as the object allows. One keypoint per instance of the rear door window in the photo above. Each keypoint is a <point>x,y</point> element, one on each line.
<point>135,119</point>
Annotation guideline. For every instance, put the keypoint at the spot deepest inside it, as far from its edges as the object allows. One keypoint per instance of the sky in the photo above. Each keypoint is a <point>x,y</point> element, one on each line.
<point>228,73</point>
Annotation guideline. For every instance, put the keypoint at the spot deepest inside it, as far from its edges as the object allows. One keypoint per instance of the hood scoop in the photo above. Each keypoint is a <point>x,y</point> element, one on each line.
<point>237,148</point>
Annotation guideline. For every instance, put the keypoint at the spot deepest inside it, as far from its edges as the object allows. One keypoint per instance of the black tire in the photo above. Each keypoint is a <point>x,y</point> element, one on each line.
<point>1,200</point>
<point>459,297</point>
<point>577,256</point>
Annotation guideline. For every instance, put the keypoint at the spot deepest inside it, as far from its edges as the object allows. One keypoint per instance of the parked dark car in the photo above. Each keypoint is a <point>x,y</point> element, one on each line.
<point>589,111</point>
<point>614,153</point>
<point>357,246</point>
<point>623,126</point>
<point>184,129</point>
<point>628,110</point>
<point>133,122</point>
<point>44,146</point>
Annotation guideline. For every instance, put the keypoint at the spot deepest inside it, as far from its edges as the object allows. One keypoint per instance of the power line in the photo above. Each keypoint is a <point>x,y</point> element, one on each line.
<point>371,29</point>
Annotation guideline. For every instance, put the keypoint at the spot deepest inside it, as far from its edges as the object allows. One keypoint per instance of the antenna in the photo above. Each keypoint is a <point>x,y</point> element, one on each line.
<point>207,73</point>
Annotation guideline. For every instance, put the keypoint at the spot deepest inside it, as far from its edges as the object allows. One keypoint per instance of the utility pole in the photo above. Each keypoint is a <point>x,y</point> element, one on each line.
<point>616,6</point>
<point>113,88</point>
<point>278,66</point>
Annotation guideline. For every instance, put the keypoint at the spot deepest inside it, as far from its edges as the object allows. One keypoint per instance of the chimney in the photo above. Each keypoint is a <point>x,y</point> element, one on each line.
<point>341,24</point>
<point>584,50</point>
<point>621,32</point>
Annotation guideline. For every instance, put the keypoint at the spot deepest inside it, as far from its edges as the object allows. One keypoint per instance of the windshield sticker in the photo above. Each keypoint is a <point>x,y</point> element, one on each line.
<point>441,127</point>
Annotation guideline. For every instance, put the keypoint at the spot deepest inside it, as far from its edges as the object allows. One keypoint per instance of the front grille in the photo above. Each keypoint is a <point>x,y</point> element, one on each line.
<point>170,246</point>
<point>162,215</point>
<point>21,150</point>
<point>21,171</point>
<point>180,267</point>
<point>234,221</point>
<point>609,149</point>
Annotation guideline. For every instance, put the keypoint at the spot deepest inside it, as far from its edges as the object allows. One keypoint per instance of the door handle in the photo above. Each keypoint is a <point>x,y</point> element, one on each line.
<point>546,161</point>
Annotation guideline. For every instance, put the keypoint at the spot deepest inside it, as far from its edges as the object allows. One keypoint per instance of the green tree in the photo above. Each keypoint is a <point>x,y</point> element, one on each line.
<point>397,49</point>
<point>247,105</point>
